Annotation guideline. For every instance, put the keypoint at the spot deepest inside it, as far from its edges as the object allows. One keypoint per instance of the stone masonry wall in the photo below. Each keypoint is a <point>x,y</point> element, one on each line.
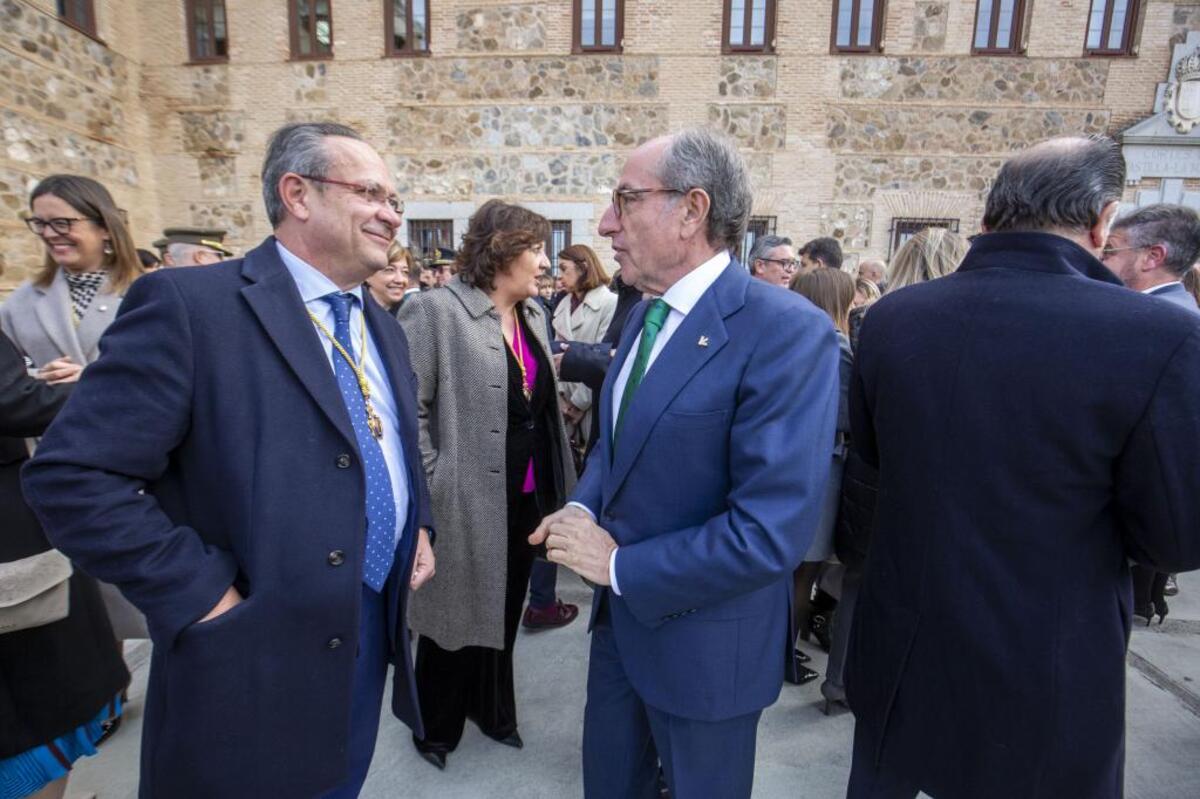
<point>837,144</point>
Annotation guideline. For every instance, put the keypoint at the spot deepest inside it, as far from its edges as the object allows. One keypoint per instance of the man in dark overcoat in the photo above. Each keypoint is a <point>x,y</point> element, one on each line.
<point>242,462</point>
<point>1035,426</point>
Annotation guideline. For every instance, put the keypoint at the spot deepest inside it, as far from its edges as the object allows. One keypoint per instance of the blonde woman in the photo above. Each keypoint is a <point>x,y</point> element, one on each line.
<point>932,253</point>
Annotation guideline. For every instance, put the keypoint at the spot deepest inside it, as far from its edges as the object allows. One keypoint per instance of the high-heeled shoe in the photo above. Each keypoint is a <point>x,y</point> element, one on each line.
<point>1145,611</point>
<point>833,696</point>
<point>1160,608</point>
<point>436,758</point>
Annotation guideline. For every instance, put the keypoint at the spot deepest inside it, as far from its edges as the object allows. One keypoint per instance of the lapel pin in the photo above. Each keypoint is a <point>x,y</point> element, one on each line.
<point>703,342</point>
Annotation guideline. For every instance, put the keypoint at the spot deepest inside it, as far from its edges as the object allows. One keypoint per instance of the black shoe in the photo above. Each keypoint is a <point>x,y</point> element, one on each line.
<point>1145,612</point>
<point>436,758</point>
<point>833,696</point>
<point>1160,607</point>
<point>1172,587</point>
<point>800,655</point>
<point>802,676</point>
<point>513,740</point>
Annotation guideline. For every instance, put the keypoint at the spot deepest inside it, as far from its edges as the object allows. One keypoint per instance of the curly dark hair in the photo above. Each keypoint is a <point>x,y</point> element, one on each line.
<point>498,233</point>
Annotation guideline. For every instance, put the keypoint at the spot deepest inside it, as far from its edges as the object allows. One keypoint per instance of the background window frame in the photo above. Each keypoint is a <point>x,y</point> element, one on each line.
<point>577,46</point>
<point>905,227</point>
<point>1134,13</point>
<point>768,45</point>
<point>1017,37</point>
<point>389,31</point>
<point>426,235</point>
<point>65,11</point>
<point>879,17</point>
<point>189,9</point>
<point>755,226</point>
<point>294,34</point>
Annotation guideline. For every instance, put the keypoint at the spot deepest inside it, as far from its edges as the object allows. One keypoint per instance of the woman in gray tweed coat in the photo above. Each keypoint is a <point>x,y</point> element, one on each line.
<point>497,458</point>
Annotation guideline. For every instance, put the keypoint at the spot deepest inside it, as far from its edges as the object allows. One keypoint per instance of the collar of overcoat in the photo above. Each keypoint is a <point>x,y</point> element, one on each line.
<point>700,336</point>
<point>1035,252</point>
<point>275,300</point>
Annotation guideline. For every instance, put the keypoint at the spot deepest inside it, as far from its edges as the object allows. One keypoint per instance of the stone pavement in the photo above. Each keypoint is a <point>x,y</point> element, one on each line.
<point>801,752</point>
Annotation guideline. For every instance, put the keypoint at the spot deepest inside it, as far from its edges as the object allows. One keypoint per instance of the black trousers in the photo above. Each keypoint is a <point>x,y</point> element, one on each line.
<point>476,682</point>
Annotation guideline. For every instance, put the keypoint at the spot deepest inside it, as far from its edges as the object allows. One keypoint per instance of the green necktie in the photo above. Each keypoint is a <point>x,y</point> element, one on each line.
<point>655,316</point>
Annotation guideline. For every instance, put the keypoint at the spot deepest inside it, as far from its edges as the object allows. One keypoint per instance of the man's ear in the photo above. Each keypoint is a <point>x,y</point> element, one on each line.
<point>1156,254</point>
<point>696,206</point>
<point>293,190</point>
<point>1099,232</point>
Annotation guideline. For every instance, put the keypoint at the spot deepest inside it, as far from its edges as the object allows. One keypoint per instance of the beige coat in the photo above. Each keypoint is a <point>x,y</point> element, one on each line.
<point>588,323</point>
<point>457,349</point>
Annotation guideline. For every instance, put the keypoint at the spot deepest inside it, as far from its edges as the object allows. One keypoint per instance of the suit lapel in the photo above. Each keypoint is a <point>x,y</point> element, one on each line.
<point>53,311</point>
<point>275,300</point>
<point>679,360</point>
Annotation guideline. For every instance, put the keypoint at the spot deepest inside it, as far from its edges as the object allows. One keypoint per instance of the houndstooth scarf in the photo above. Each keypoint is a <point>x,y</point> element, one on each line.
<point>83,288</point>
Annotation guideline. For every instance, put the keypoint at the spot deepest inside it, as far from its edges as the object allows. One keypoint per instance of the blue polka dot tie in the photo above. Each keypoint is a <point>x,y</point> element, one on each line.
<point>381,505</point>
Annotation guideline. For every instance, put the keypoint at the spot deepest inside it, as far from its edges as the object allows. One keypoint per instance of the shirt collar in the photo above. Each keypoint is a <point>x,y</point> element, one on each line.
<point>313,284</point>
<point>688,290</point>
<point>1161,286</point>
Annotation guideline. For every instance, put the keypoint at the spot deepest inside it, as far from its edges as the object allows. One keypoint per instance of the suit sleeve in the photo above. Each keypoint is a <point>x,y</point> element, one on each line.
<point>781,447</point>
<point>422,334</point>
<point>27,405</point>
<point>586,363</point>
<point>87,481</point>
<point>1159,470</point>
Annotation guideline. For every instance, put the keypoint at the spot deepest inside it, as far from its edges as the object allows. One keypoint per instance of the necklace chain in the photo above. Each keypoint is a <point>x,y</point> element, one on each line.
<point>360,374</point>
<point>518,352</point>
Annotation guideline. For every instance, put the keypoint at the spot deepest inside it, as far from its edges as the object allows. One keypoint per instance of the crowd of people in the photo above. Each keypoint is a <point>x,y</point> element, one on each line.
<point>294,469</point>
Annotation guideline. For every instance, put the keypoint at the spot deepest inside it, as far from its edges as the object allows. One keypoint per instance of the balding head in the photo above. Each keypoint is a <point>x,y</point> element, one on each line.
<point>1069,186</point>
<point>873,270</point>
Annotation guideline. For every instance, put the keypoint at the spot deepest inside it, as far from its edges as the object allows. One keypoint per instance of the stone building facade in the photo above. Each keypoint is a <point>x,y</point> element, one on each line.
<point>849,145</point>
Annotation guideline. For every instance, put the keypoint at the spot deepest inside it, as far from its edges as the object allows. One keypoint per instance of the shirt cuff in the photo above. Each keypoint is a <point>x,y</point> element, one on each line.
<point>612,572</point>
<point>583,508</point>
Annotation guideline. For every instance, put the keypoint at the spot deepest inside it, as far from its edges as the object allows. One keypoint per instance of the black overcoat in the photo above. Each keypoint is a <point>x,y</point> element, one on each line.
<point>1035,425</point>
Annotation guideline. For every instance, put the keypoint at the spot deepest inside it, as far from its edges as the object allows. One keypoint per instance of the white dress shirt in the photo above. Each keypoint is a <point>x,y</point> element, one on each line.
<point>1153,289</point>
<point>313,286</point>
<point>682,297</point>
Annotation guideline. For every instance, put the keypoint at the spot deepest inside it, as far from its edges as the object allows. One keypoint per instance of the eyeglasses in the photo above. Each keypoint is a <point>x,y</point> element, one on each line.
<point>786,263</point>
<point>373,193</point>
<point>1108,251</point>
<point>621,197</point>
<point>60,224</point>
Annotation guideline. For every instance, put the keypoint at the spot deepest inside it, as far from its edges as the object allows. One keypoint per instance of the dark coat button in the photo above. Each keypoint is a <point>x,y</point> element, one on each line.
<point>337,557</point>
<point>343,461</point>
<point>334,643</point>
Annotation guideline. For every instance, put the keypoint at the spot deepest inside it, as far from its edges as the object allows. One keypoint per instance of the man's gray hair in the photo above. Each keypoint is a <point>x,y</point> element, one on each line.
<point>763,245</point>
<point>298,148</point>
<point>1175,227</point>
<point>181,252</point>
<point>699,158</point>
<point>1059,184</point>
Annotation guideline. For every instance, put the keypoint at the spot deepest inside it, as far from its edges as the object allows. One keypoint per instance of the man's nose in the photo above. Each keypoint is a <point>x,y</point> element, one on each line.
<point>609,224</point>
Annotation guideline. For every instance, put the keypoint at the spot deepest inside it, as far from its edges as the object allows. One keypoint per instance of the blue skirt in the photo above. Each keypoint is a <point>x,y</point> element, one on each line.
<point>29,772</point>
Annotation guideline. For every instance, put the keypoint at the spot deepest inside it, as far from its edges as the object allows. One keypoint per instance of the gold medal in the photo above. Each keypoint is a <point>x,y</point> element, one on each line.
<point>374,422</point>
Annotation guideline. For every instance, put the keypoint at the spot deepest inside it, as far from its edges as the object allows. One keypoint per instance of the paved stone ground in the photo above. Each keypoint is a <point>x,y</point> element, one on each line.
<point>801,752</point>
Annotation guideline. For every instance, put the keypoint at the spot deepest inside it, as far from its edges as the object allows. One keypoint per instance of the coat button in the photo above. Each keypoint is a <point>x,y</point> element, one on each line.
<point>334,643</point>
<point>337,557</point>
<point>343,461</point>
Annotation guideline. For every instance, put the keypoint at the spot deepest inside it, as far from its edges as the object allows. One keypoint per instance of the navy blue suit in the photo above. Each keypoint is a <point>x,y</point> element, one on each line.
<point>712,494</point>
<point>1035,426</point>
<point>209,446</point>
<point>1176,294</point>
